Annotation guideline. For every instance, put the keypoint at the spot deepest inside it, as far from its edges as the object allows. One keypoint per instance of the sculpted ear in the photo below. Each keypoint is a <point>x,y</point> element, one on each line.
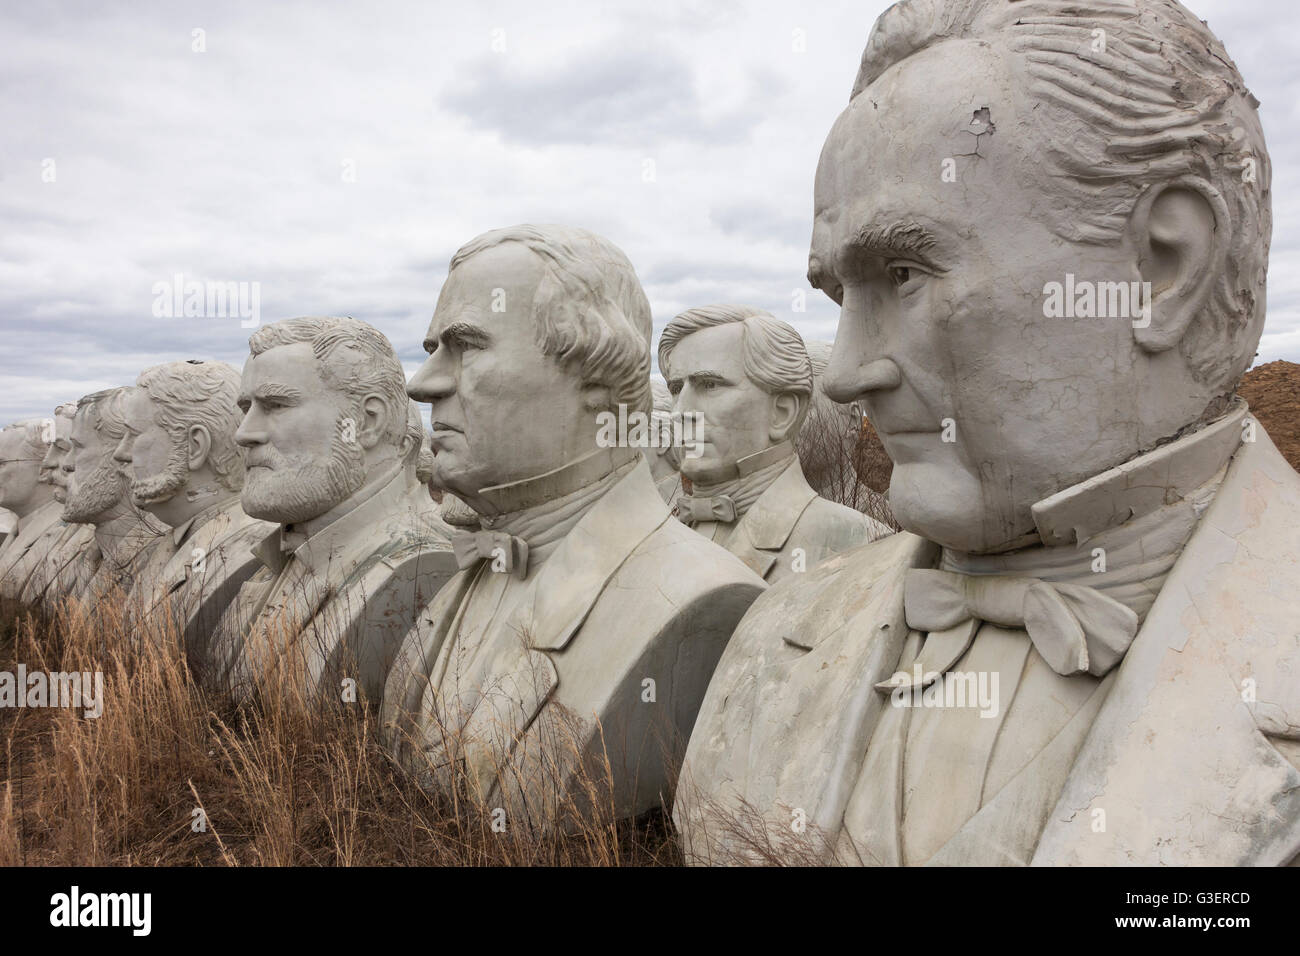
<point>198,446</point>
<point>374,421</point>
<point>787,409</point>
<point>1181,250</point>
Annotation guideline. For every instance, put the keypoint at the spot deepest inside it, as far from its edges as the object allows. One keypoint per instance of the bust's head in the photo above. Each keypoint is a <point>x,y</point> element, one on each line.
<point>745,377</point>
<point>23,446</point>
<point>179,452</point>
<point>52,472</point>
<point>324,411</point>
<point>96,487</point>
<point>537,330</point>
<point>995,158</point>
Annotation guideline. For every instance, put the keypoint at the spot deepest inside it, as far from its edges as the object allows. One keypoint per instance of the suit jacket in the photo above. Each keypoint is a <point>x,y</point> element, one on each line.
<point>790,515</point>
<point>197,570</point>
<point>25,549</point>
<point>335,606</point>
<point>1194,754</point>
<point>629,594</point>
<point>58,570</point>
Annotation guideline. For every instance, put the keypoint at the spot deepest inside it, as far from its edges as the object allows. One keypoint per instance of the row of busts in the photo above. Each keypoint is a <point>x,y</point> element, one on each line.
<point>530,568</point>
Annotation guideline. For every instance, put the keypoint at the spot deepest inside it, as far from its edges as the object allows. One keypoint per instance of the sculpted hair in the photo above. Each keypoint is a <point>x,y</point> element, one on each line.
<point>590,309</point>
<point>34,432</point>
<point>193,393</point>
<point>1127,94</point>
<point>354,358</point>
<point>775,358</point>
<point>108,411</point>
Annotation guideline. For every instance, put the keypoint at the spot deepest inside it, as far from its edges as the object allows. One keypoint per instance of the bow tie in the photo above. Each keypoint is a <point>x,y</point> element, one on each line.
<point>506,552</point>
<point>692,510</point>
<point>1076,629</point>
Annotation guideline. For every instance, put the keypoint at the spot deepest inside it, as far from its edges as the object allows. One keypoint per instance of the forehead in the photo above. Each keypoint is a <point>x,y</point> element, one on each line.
<point>294,366</point>
<point>717,349</point>
<point>138,406</point>
<point>885,156</point>
<point>471,289</point>
<point>83,431</point>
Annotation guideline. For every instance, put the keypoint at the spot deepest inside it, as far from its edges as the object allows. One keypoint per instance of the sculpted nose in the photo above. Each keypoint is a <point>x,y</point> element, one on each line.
<point>432,380</point>
<point>854,368</point>
<point>249,432</point>
<point>122,453</point>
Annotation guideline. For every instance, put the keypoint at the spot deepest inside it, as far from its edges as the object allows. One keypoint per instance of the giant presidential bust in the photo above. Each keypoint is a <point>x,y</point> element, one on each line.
<point>1082,650</point>
<point>101,560</point>
<point>331,458</point>
<point>745,379</point>
<point>30,501</point>
<point>184,468</point>
<point>584,625</point>
<point>39,555</point>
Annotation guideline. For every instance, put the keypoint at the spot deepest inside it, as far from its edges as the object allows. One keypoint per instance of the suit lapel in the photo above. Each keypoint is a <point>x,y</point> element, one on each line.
<point>764,529</point>
<point>844,663</point>
<point>1177,709</point>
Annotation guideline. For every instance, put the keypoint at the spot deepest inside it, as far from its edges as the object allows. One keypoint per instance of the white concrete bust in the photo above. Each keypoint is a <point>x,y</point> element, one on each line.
<point>96,495</point>
<point>28,498</point>
<point>331,458</point>
<point>49,546</point>
<point>1101,544</point>
<point>180,459</point>
<point>744,378</point>
<point>529,668</point>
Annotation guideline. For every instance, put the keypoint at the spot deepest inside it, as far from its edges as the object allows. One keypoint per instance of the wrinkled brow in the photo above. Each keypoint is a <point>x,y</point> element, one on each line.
<point>460,333</point>
<point>272,390</point>
<point>895,239</point>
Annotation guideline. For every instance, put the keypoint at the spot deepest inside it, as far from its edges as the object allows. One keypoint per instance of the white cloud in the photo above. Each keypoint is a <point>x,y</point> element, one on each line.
<point>229,164</point>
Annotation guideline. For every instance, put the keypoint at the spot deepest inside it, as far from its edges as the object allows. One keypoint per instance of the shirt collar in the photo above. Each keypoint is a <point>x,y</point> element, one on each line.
<point>315,540</point>
<point>1141,485</point>
<point>182,530</point>
<point>540,489</point>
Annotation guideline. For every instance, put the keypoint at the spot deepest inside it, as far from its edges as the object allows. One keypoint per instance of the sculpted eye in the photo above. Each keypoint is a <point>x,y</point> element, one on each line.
<point>905,276</point>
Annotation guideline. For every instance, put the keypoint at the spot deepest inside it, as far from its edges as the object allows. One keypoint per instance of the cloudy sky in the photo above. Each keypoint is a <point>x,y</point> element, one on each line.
<point>337,154</point>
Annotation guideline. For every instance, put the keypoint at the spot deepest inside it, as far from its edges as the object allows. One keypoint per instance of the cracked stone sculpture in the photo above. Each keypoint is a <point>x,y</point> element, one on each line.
<point>30,501</point>
<point>184,468</point>
<point>121,538</point>
<point>746,379</point>
<point>331,457</point>
<point>43,553</point>
<point>1083,650</point>
<point>586,620</point>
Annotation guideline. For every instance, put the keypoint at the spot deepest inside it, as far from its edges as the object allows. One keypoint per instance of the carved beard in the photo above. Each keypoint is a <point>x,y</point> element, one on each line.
<point>289,490</point>
<point>94,494</point>
<point>164,485</point>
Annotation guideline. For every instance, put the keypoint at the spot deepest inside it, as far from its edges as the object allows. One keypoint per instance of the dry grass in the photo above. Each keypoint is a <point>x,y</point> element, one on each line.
<point>282,782</point>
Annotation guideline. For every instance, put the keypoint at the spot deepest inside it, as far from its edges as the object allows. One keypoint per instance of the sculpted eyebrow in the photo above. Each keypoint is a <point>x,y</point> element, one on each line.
<point>462,333</point>
<point>897,239</point>
<point>277,391</point>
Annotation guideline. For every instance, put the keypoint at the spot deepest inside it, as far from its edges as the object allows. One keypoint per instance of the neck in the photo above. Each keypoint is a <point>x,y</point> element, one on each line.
<point>185,505</point>
<point>747,478</point>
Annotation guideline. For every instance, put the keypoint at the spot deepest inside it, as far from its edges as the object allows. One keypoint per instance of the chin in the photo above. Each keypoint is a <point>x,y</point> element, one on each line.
<point>949,507</point>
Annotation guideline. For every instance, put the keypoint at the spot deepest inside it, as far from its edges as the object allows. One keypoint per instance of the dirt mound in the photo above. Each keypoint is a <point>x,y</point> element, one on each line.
<point>1272,391</point>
